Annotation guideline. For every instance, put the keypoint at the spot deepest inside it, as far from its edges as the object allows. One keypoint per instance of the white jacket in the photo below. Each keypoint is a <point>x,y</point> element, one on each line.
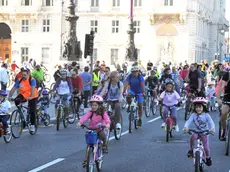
<point>4,76</point>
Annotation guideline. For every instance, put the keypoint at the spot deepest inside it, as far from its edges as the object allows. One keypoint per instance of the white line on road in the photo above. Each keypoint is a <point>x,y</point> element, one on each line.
<point>47,165</point>
<point>154,119</point>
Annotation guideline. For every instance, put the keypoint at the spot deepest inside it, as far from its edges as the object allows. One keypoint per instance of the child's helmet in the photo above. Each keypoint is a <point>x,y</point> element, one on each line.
<point>96,98</point>
<point>45,92</point>
<point>169,81</point>
<point>3,93</point>
<point>200,100</point>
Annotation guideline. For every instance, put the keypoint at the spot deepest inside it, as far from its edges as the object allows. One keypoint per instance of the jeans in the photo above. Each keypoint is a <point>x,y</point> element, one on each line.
<point>32,106</point>
<point>174,113</point>
<point>204,140</point>
<point>117,111</point>
<point>4,119</point>
<point>86,95</point>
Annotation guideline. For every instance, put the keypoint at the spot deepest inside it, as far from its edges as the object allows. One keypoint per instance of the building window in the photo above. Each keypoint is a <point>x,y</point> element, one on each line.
<point>26,2</point>
<point>94,3</point>
<point>95,54</point>
<point>3,2</point>
<point>47,2</point>
<point>46,25</point>
<point>115,26</point>
<point>45,55</point>
<point>25,26</point>
<point>137,3</point>
<point>136,25</point>
<point>168,3</point>
<point>116,3</point>
<point>114,56</point>
<point>94,25</point>
<point>24,54</point>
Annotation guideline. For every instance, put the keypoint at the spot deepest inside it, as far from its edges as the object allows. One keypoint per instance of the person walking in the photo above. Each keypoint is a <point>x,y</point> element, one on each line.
<point>4,76</point>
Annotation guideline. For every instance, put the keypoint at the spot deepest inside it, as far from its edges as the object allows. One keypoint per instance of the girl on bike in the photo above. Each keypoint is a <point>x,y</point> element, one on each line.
<point>4,110</point>
<point>170,98</point>
<point>97,115</point>
<point>202,121</point>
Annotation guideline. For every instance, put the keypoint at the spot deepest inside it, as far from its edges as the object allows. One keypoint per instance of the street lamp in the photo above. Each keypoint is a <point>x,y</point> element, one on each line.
<point>131,51</point>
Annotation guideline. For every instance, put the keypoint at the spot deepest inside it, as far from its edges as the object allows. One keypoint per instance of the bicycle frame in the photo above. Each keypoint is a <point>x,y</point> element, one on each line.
<point>199,148</point>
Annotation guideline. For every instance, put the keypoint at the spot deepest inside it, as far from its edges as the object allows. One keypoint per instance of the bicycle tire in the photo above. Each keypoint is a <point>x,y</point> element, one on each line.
<point>71,119</point>
<point>58,118</point>
<point>117,134</point>
<point>154,107</point>
<point>89,165</point>
<point>147,114</point>
<point>227,142</point>
<point>65,120</point>
<point>167,130</point>
<point>99,161</point>
<point>136,120</point>
<point>7,137</point>
<point>12,117</point>
<point>161,113</point>
<point>197,161</point>
<point>46,120</point>
<point>36,126</point>
<point>47,77</point>
<point>130,119</point>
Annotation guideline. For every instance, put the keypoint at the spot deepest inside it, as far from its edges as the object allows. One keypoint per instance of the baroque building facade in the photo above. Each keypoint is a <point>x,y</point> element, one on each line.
<point>166,30</point>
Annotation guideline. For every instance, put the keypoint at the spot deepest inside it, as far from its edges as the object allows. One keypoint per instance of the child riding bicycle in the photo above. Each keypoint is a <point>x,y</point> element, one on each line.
<point>202,122</point>
<point>170,98</point>
<point>4,110</point>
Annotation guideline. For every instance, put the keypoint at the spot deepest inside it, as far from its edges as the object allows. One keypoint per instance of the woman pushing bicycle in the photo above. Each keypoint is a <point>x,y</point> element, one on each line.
<point>202,122</point>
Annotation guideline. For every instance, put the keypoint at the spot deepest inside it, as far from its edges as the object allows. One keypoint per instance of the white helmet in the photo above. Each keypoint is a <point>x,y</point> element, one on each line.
<point>135,68</point>
<point>63,71</point>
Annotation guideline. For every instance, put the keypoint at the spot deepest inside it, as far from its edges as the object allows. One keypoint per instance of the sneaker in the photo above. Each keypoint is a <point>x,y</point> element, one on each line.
<point>32,128</point>
<point>139,123</point>
<point>177,128</point>
<point>105,149</point>
<point>155,101</point>
<point>208,161</point>
<point>163,125</point>
<point>190,154</point>
<point>82,107</point>
<point>118,126</point>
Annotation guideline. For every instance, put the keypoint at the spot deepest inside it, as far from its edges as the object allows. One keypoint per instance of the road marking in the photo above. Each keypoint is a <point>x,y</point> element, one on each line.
<point>124,133</point>
<point>47,165</point>
<point>154,119</point>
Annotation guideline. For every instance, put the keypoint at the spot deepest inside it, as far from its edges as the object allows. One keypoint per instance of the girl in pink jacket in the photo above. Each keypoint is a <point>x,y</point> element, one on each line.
<point>97,115</point>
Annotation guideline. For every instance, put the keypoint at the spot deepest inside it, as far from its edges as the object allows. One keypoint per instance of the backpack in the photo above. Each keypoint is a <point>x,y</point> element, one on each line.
<point>109,86</point>
<point>30,78</point>
<point>92,116</point>
<point>130,77</point>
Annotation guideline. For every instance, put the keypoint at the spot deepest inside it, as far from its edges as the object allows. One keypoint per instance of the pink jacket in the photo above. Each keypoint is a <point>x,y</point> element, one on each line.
<point>95,119</point>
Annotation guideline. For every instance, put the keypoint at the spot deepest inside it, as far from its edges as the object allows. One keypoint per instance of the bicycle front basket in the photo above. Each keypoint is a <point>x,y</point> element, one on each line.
<point>91,137</point>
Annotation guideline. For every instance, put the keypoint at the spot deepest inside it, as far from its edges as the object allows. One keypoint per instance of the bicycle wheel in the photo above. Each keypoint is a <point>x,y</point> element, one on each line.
<point>161,111</point>
<point>147,106</point>
<point>227,142</point>
<point>153,107</point>
<point>131,116</point>
<point>16,122</point>
<point>65,119</point>
<point>167,130</point>
<point>47,77</point>
<point>46,119</point>
<point>35,125</point>
<point>58,116</point>
<point>72,115</point>
<point>7,137</point>
<point>117,132</point>
<point>99,161</point>
<point>89,159</point>
<point>197,161</point>
<point>136,119</point>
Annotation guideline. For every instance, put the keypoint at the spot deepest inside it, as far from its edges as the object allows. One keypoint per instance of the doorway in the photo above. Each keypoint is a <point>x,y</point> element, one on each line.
<point>5,42</point>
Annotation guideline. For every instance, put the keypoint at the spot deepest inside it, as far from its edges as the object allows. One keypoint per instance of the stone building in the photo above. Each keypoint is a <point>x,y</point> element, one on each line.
<point>166,30</point>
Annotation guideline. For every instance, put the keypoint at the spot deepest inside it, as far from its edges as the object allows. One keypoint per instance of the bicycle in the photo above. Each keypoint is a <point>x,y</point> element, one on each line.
<point>6,136</point>
<point>133,114</point>
<point>60,116</point>
<point>18,119</point>
<point>149,101</point>
<point>94,154</point>
<point>200,157</point>
<point>189,105</point>
<point>53,94</point>
<point>169,122</point>
<point>42,116</point>
<point>111,113</point>
<point>75,109</point>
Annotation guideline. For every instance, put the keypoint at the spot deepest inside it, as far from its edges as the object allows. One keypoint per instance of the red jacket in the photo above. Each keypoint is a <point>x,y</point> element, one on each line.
<point>77,83</point>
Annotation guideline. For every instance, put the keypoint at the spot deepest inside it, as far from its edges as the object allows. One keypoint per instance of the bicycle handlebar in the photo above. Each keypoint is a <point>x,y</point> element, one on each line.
<point>206,132</point>
<point>94,129</point>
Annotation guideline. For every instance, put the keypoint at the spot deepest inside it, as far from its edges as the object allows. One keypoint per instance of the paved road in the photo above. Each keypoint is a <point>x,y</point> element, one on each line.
<point>144,150</point>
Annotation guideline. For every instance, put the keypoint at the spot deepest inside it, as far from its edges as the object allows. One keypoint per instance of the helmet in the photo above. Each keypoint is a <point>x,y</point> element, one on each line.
<point>200,100</point>
<point>227,68</point>
<point>45,92</point>
<point>63,71</point>
<point>153,71</point>
<point>96,98</point>
<point>169,81</point>
<point>135,68</point>
<point>3,93</point>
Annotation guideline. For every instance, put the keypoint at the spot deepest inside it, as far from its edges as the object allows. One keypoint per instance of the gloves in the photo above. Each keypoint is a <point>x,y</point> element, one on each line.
<point>212,131</point>
<point>186,130</point>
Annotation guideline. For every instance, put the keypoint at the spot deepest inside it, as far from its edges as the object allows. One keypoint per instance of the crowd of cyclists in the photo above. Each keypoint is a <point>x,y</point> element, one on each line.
<point>166,83</point>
